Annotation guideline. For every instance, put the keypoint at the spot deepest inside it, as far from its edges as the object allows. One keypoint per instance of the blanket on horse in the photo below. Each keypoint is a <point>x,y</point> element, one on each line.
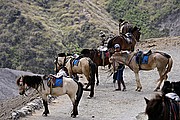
<point>55,81</point>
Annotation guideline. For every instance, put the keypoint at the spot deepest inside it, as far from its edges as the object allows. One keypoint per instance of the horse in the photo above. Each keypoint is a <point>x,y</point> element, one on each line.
<point>83,65</point>
<point>45,87</point>
<point>126,27</point>
<point>162,108</point>
<point>100,58</point>
<point>160,60</point>
<point>126,42</point>
<point>169,87</point>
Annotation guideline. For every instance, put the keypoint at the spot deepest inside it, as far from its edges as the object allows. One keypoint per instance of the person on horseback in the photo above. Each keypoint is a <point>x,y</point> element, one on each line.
<point>103,36</point>
<point>125,27</point>
<point>118,75</point>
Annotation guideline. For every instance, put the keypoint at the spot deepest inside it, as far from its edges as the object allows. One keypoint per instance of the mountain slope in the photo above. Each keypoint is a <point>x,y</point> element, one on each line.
<point>33,32</point>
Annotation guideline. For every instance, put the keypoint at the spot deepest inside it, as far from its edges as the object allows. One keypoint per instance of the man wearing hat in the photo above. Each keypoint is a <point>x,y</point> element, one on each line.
<point>118,75</point>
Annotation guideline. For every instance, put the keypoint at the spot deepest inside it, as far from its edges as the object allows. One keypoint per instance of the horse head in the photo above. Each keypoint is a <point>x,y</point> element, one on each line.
<point>136,33</point>
<point>21,85</point>
<point>26,82</point>
<point>154,107</point>
<point>162,108</point>
<point>60,61</point>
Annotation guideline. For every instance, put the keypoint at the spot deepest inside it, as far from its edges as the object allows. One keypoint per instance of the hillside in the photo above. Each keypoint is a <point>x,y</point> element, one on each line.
<point>33,32</point>
<point>106,100</point>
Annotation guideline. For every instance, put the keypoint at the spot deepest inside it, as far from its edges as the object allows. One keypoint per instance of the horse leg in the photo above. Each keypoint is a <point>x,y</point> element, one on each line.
<point>97,76</point>
<point>92,79</point>
<point>139,87</point>
<point>45,103</point>
<point>75,101</point>
<point>92,89</point>
<point>160,80</point>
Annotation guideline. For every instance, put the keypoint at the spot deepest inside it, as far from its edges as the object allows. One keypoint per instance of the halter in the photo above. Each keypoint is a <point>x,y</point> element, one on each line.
<point>63,65</point>
<point>21,83</point>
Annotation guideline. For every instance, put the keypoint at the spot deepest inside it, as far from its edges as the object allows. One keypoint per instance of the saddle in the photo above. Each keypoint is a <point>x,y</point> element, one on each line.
<point>142,58</point>
<point>54,81</point>
<point>75,61</point>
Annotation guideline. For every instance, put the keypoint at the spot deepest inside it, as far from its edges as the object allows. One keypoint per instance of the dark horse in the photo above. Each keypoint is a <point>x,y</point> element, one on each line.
<point>44,87</point>
<point>122,40</point>
<point>169,87</point>
<point>162,108</point>
<point>100,58</point>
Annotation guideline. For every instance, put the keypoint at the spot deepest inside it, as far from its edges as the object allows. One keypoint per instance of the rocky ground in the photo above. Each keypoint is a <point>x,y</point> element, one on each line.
<point>107,103</point>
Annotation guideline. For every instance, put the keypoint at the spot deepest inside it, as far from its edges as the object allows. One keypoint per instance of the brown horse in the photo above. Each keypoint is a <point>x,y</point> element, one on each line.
<point>122,40</point>
<point>162,61</point>
<point>162,108</point>
<point>85,66</point>
<point>100,58</point>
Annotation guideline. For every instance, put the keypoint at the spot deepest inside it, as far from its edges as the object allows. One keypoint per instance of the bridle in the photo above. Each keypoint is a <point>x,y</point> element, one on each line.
<point>21,84</point>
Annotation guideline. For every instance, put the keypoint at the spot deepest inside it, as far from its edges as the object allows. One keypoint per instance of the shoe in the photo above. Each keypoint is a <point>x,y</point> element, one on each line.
<point>117,89</point>
<point>124,89</point>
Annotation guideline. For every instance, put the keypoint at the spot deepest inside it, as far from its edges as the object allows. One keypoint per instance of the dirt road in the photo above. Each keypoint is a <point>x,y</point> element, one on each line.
<point>117,105</point>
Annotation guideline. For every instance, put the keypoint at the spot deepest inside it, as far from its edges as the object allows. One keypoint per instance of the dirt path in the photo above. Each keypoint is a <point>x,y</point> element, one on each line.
<point>117,105</point>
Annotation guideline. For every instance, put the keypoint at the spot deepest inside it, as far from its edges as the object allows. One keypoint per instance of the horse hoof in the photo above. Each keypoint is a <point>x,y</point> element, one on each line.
<point>44,115</point>
<point>89,97</point>
<point>73,116</point>
<point>139,90</point>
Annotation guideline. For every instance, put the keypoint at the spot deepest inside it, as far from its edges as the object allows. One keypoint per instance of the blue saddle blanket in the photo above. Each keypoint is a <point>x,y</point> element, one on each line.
<point>145,59</point>
<point>75,62</point>
<point>58,82</point>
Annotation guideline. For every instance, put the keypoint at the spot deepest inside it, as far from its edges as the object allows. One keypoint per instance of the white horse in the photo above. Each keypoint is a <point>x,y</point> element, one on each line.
<point>46,87</point>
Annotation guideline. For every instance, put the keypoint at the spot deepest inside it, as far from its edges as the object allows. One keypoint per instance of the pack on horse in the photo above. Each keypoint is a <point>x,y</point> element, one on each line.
<point>53,86</point>
<point>100,58</point>
<point>162,108</point>
<point>171,87</point>
<point>162,61</point>
<point>82,65</point>
<point>126,42</point>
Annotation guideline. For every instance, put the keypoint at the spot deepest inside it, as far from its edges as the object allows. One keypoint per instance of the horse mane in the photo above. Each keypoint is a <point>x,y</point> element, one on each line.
<point>85,51</point>
<point>110,45</point>
<point>32,81</point>
<point>61,55</point>
<point>164,54</point>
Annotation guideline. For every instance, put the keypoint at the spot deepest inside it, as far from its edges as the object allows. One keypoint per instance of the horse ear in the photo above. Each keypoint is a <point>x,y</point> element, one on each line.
<point>139,29</point>
<point>147,101</point>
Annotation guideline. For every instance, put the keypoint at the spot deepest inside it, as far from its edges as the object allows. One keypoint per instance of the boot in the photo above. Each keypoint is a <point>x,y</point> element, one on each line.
<point>119,85</point>
<point>124,87</point>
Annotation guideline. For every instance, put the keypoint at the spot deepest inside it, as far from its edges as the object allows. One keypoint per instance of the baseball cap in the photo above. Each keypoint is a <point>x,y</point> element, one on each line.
<point>116,46</point>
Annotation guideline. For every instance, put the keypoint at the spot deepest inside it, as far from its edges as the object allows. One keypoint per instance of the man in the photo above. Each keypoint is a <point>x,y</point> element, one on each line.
<point>124,26</point>
<point>118,75</point>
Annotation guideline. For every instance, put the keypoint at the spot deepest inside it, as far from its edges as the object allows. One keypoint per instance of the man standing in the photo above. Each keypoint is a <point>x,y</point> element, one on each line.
<point>118,75</point>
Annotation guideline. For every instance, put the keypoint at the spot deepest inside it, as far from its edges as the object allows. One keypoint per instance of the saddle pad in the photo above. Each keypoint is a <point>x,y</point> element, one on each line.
<point>56,82</point>
<point>75,62</point>
<point>145,59</point>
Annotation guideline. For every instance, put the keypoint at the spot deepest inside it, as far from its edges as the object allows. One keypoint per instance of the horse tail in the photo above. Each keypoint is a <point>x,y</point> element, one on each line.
<point>92,70</point>
<point>79,92</point>
<point>169,66</point>
<point>92,76</point>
